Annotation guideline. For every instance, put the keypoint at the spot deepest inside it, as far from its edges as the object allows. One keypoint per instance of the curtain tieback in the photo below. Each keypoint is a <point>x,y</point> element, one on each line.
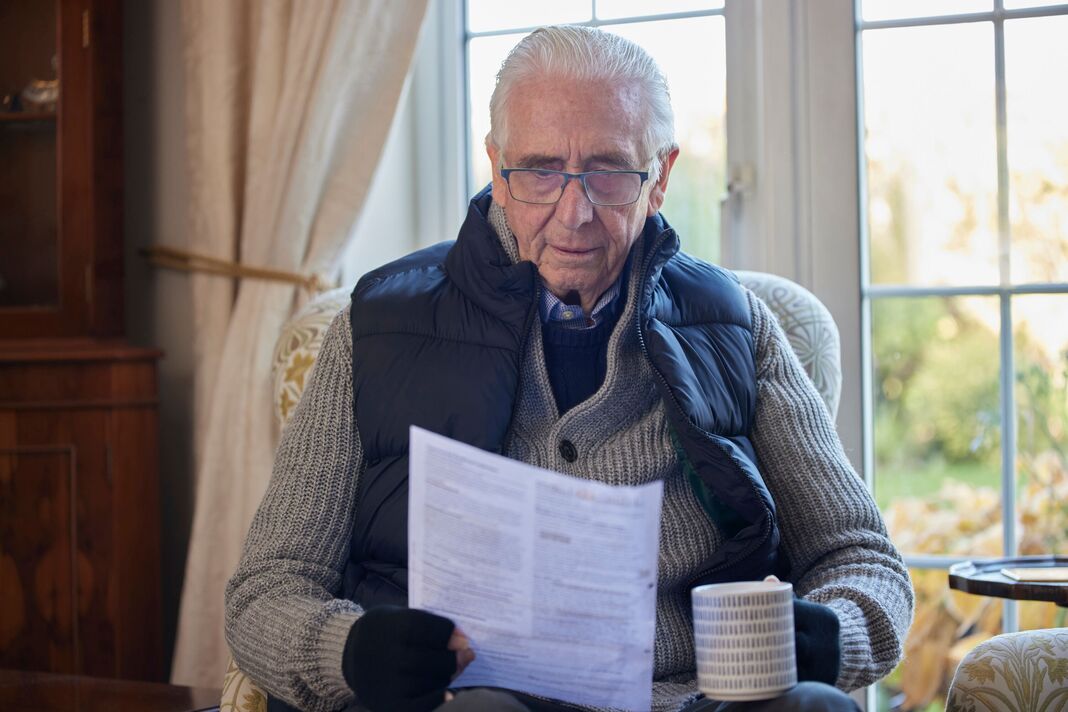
<point>170,258</point>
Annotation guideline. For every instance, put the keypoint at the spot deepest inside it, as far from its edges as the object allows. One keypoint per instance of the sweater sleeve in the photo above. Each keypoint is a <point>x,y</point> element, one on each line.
<point>832,530</point>
<point>284,624</point>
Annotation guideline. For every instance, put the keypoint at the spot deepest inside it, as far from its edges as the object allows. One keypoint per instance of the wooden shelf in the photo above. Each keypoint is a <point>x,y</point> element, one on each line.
<point>27,117</point>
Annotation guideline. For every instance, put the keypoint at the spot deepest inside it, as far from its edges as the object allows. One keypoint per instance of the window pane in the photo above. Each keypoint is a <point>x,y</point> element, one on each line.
<point>896,9</point>
<point>1035,59</point>
<point>946,626</point>
<point>931,154</point>
<point>1041,359</point>
<point>937,472</point>
<point>486,15</point>
<point>484,58</point>
<point>1035,615</point>
<point>937,423</point>
<point>692,54</point>
<point>609,9</point>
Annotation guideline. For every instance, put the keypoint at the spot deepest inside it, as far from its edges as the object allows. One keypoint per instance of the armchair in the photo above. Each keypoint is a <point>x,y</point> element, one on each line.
<point>1013,672</point>
<point>808,325</point>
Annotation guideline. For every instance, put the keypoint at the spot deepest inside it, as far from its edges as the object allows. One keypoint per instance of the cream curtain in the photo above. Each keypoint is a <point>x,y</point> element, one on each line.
<point>288,105</point>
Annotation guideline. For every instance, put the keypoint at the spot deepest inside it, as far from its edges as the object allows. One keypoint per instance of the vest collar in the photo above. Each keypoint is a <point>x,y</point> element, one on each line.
<point>480,268</point>
<point>659,243</point>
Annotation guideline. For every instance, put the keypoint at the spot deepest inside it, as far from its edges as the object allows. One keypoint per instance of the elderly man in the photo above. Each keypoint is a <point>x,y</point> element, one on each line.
<point>563,328</point>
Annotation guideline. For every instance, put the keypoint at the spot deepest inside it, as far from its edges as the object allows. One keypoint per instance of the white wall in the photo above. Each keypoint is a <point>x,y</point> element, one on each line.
<point>387,226</point>
<point>418,196</point>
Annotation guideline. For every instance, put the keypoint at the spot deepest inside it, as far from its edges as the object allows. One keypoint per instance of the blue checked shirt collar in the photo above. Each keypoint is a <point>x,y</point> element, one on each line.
<point>571,316</point>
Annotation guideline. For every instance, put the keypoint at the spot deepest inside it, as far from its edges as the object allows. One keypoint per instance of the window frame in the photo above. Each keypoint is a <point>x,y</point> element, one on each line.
<point>1005,290</point>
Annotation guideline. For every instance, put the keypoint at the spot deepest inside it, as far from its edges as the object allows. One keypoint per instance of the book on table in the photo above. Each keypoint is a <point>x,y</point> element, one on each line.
<point>1038,574</point>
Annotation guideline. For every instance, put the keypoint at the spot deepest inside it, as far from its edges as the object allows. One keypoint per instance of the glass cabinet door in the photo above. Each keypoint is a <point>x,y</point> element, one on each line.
<point>29,100</point>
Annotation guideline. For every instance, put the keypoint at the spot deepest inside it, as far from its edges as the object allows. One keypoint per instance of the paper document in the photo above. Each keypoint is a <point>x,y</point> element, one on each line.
<point>553,578</point>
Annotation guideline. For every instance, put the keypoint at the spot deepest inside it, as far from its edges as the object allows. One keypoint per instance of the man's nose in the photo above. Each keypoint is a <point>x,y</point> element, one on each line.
<point>574,209</point>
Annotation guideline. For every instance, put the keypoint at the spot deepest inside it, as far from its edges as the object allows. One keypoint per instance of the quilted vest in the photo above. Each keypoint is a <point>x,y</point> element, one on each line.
<point>438,339</point>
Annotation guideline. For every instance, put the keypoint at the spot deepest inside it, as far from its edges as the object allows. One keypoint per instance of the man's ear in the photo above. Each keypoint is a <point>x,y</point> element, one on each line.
<point>500,188</point>
<point>659,189</point>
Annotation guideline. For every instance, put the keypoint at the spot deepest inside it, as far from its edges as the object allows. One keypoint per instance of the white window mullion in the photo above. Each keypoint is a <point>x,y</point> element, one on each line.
<point>792,163</point>
<point>1007,362</point>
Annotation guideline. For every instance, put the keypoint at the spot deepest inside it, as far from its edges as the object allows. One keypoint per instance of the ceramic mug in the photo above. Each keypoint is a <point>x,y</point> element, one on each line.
<point>744,639</point>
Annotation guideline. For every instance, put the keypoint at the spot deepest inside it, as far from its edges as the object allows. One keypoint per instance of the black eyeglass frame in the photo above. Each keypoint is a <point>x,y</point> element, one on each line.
<point>581,177</point>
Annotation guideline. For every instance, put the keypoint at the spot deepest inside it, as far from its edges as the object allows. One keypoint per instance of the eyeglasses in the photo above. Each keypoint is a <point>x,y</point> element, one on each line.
<point>545,187</point>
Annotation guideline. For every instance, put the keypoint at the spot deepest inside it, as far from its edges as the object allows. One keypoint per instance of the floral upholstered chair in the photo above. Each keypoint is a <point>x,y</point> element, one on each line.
<point>807,323</point>
<point>1013,672</point>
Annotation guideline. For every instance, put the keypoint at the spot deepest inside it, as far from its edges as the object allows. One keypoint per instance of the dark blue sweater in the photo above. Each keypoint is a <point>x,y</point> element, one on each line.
<point>576,359</point>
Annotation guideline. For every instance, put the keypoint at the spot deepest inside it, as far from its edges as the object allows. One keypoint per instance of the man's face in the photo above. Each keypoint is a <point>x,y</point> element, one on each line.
<point>573,126</point>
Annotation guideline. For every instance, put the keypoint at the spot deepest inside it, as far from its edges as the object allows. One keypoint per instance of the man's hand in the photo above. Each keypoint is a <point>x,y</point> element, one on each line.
<point>817,648</point>
<point>464,655</point>
<point>402,658</point>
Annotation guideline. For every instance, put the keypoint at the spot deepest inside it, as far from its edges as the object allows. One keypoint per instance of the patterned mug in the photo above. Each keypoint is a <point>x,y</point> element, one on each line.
<point>744,639</point>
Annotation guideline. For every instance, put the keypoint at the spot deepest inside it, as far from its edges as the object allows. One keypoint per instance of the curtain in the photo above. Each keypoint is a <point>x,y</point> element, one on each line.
<point>288,105</point>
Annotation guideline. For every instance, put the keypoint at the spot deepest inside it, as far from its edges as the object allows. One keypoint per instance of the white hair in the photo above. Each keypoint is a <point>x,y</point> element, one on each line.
<point>587,53</point>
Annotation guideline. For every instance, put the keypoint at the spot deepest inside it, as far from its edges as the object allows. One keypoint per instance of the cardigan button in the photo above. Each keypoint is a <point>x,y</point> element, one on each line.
<point>568,451</point>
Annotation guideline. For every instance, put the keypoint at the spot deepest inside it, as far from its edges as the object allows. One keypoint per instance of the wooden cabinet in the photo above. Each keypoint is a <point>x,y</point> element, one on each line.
<point>79,509</point>
<point>79,500</point>
<point>60,168</point>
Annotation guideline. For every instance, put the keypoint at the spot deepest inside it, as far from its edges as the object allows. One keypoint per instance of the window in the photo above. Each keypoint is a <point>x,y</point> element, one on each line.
<point>964,200</point>
<point>686,37</point>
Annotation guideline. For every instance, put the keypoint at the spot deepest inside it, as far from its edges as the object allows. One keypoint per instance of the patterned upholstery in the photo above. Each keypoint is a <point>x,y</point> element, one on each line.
<point>297,345</point>
<point>1013,672</point>
<point>807,323</point>
<point>810,328</point>
<point>240,693</point>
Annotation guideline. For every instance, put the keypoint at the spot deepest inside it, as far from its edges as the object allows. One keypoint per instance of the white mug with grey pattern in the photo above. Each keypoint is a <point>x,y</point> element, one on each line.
<point>744,639</point>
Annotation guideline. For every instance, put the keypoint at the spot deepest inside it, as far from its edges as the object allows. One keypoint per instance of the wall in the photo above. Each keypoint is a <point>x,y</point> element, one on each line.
<point>158,302</point>
<point>419,193</point>
<point>384,232</point>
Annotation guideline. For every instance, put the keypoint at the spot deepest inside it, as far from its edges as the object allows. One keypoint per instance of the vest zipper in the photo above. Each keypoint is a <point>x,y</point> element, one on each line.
<point>678,407</point>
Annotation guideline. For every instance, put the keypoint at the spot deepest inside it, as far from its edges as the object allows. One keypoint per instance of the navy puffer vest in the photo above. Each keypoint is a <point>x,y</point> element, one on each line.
<point>438,339</point>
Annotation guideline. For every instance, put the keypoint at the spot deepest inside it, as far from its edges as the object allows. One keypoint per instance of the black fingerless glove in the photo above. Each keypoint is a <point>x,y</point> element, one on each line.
<point>819,654</point>
<point>396,659</point>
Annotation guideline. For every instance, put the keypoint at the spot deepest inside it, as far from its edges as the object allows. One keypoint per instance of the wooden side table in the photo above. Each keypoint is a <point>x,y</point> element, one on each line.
<point>49,692</point>
<point>984,578</point>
